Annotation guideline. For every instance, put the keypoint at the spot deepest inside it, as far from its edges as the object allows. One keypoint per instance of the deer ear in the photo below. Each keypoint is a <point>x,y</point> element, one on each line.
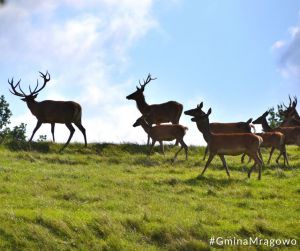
<point>201,105</point>
<point>209,111</point>
<point>34,96</point>
<point>249,120</point>
<point>266,114</point>
<point>23,99</point>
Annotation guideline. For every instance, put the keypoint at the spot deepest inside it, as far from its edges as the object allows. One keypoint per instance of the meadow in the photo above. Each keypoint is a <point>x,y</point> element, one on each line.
<point>115,197</point>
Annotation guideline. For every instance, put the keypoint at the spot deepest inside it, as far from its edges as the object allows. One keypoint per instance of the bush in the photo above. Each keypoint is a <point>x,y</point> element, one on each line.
<point>18,133</point>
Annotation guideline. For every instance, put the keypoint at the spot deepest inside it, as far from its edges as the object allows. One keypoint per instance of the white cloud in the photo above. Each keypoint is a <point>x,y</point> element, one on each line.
<point>278,45</point>
<point>83,44</point>
<point>289,54</point>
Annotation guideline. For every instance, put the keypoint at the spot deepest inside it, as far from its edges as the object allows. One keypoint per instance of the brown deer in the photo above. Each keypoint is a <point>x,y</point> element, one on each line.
<point>237,127</point>
<point>229,144</point>
<point>49,111</point>
<point>162,133</point>
<point>156,113</point>
<point>275,140</point>
<point>292,134</point>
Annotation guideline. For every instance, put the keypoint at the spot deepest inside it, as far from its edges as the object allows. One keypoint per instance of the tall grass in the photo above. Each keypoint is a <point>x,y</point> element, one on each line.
<point>115,197</point>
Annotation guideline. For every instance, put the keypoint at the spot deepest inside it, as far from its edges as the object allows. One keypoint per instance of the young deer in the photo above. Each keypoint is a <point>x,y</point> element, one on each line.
<point>162,133</point>
<point>275,140</point>
<point>156,113</point>
<point>229,144</point>
<point>291,134</point>
<point>237,127</point>
<point>49,111</point>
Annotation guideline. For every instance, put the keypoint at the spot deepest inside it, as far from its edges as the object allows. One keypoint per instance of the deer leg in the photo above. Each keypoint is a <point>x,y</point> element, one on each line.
<point>210,158</point>
<point>38,125</point>
<point>52,131</point>
<point>205,153</point>
<point>257,161</point>
<point>183,145</point>
<point>224,164</point>
<point>243,158</point>
<point>72,130</point>
<point>82,129</point>
<point>285,156</point>
<point>151,147</point>
<point>260,156</point>
<point>148,140</point>
<point>162,147</point>
<point>271,153</point>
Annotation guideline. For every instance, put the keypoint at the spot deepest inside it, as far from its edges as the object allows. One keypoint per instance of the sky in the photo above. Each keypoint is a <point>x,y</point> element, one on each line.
<point>238,57</point>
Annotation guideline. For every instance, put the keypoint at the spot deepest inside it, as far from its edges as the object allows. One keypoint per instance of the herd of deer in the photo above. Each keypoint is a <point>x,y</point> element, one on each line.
<point>222,138</point>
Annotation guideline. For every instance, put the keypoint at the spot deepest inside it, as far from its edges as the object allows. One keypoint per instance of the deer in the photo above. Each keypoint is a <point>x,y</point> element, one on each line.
<point>237,127</point>
<point>233,144</point>
<point>290,115</point>
<point>291,134</point>
<point>166,132</point>
<point>156,113</point>
<point>275,140</point>
<point>50,111</point>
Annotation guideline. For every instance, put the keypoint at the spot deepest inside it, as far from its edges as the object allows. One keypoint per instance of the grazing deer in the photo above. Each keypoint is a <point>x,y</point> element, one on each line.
<point>49,111</point>
<point>162,133</point>
<point>292,134</point>
<point>156,113</point>
<point>229,144</point>
<point>238,127</point>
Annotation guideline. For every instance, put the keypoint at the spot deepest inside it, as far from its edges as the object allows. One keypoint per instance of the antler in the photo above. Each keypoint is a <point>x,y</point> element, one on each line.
<point>46,79</point>
<point>148,79</point>
<point>295,102</point>
<point>13,87</point>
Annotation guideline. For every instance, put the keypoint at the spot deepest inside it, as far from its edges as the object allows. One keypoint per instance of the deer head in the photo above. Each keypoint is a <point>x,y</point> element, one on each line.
<point>291,109</point>
<point>260,119</point>
<point>33,94</point>
<point>196,111</point>
<point>140,90</point>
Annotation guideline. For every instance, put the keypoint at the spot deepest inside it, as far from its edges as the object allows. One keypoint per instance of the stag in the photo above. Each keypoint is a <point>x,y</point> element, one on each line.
<point>290,115</point>
<point>237,127</point>
<point>229,144</point>
<point>156,113</point>
<point>50,111</point>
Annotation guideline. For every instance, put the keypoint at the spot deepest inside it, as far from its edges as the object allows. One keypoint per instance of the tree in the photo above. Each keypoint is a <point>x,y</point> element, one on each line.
<point>5,113</point>
<point>18,133</point>
<point>275,118</point>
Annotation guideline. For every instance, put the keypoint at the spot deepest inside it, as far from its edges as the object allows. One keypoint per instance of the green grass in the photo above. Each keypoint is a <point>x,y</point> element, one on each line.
<point>114,197</point>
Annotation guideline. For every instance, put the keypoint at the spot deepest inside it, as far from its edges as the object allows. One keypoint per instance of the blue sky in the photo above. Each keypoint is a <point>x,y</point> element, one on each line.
<point>239,57</point>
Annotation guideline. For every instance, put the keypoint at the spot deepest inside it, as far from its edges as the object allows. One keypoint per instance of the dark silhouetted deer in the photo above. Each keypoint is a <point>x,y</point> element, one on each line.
<point>229,144</point>
<point>156,113</point>
<point>290,115</point>
<point>50,111</point>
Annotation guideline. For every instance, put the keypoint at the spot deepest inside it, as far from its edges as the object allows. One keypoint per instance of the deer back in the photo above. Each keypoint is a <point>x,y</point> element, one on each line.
<point>167,132</point>
<point>164,113</point>
<point>49,111</point>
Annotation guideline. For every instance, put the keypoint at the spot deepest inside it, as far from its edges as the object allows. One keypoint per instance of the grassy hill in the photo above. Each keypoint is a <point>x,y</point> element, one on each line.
<point>114,197</point>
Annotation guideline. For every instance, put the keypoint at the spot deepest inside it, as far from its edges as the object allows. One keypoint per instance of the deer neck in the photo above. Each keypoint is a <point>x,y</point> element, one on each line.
<point>146,127</point>
<point>265,125</point>
<point>205,130</point>
<point>142,104</point>
<point>33,107</point>
<point>296,115</point>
